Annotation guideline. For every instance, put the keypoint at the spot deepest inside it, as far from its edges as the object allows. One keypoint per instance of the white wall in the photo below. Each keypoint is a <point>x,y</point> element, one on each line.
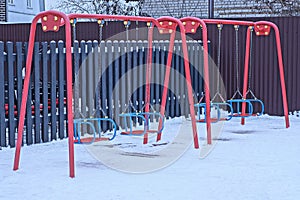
<point>19,12</point>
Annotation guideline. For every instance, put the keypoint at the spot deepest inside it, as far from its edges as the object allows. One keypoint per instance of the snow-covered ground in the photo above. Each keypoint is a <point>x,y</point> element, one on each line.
<point>257,161</point>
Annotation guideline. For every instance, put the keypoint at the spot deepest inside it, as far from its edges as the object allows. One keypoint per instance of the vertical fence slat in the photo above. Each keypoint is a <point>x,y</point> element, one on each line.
<point>20,61</point>
<point>122,84</point>
<point>171,95</point>
<point>89,80</point>
<point>53,87</point>
<point>45,126</point>
<point>103,81</point>
<point>82,81</point>
<point>96,77</point>
<point>134,69</point>
<point>163,61</point>
<point>129,77</point>
<point>141,76</point>
<point>116,79</point>
<point>109,80</point>
<point>11,99</point>
<point>156,76</point>
<point>61,89</point>
<point>37,94</point>
<point>29,120</point>
<point>2,99</point>
<point>76,58</point>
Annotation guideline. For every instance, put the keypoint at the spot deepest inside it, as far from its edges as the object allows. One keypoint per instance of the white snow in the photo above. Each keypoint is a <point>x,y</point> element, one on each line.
<point>259,160</point>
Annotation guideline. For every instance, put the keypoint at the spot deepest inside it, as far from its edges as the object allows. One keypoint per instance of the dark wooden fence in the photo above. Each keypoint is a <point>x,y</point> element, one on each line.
<point>113,70</point>
<point>46,111</point>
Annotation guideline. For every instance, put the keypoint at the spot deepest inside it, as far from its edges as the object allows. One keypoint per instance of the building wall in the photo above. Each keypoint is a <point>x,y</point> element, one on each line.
<point>222,8</point>
<point>20,12</point>
<point>2,11</point>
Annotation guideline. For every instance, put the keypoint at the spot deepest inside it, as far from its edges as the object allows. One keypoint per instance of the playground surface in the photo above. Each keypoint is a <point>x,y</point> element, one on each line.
<point>257,161</point>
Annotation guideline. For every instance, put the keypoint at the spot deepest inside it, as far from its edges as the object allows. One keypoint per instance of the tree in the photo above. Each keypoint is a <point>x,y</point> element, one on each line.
<point>112,7</point>
<point>279,7</point>
<point>174,8</point>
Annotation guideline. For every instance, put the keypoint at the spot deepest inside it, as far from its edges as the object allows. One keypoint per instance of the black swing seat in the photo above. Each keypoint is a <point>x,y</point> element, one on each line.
<point>145,117</point>
<point>217,106</point>
<point>96,137</point>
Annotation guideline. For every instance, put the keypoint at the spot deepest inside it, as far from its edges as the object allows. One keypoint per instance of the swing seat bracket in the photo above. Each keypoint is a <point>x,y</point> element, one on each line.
<point>262,30</point>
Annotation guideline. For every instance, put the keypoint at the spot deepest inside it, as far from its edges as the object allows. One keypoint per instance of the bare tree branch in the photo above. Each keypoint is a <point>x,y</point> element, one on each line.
<point>99,6</point>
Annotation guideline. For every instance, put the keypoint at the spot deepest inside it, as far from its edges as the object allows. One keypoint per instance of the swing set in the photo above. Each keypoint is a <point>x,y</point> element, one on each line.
<point>53,20</point>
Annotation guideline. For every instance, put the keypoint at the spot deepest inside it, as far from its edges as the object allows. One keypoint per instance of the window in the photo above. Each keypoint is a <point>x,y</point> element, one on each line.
<point>29,3</point>
<point>11,2</point>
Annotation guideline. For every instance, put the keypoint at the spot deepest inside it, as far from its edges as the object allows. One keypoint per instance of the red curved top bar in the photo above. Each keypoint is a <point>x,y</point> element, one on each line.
<point>112,17</point>
<point>229,22</point>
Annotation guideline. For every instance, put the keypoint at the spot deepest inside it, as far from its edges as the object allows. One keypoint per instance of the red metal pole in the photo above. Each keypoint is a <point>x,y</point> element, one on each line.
<point>246,73</point>
<point>189,85</point>
<point>281,70</point>
<point>206,82</point>
<point>69,96</point>
<point>206,66</point>
<point>166,82</point>
<point>148,75</point>
<point>69,88</point>
<point>25,93</point>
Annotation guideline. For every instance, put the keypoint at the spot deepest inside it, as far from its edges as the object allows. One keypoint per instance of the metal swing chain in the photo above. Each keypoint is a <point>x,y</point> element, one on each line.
<point>130,104</point>
<point>237,92</point>
<point>136,30</point>
<point>236,28</point>
<point>74,29</point>
<point>250,81</point>
<point>220,27</point>
<point>77,113</point>
<point>98,106</point>
<point>101,24</point>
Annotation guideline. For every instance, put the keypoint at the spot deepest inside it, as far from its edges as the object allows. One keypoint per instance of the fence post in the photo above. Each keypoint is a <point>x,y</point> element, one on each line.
<point>53,63</point>
<point>117,76</point>
<point>61,89</point>
<point>109,68</point>
<point>45,58</point>
<point>11,99</point>
<point>2,99</point>
<point>20,61</point>
<point>37,102</point>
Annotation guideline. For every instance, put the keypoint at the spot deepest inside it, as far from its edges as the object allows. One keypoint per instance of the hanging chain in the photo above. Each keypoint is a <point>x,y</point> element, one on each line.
<point>101,24</point>
<point>237,92</point>
<point>218,94</point>
<point>74,29</point>
<point>136,30</point>
<point>250,80</point>
<point>250,59</point>
<point>130,104</point>
<point>236,28</point>
<point>220,27</point>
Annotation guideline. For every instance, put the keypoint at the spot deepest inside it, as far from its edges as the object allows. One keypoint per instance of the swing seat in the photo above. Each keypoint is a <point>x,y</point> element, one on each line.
<point>217,106</point>
<point>145,117</point>
<point>238,103</point>
<point>89,140</point>
<point>262,106</point>
<point>95,137</point>
<point>138,132</point>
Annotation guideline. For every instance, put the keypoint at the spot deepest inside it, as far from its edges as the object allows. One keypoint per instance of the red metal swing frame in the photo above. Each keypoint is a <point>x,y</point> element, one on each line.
<point>52,20</point>
<point>261,28</point>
